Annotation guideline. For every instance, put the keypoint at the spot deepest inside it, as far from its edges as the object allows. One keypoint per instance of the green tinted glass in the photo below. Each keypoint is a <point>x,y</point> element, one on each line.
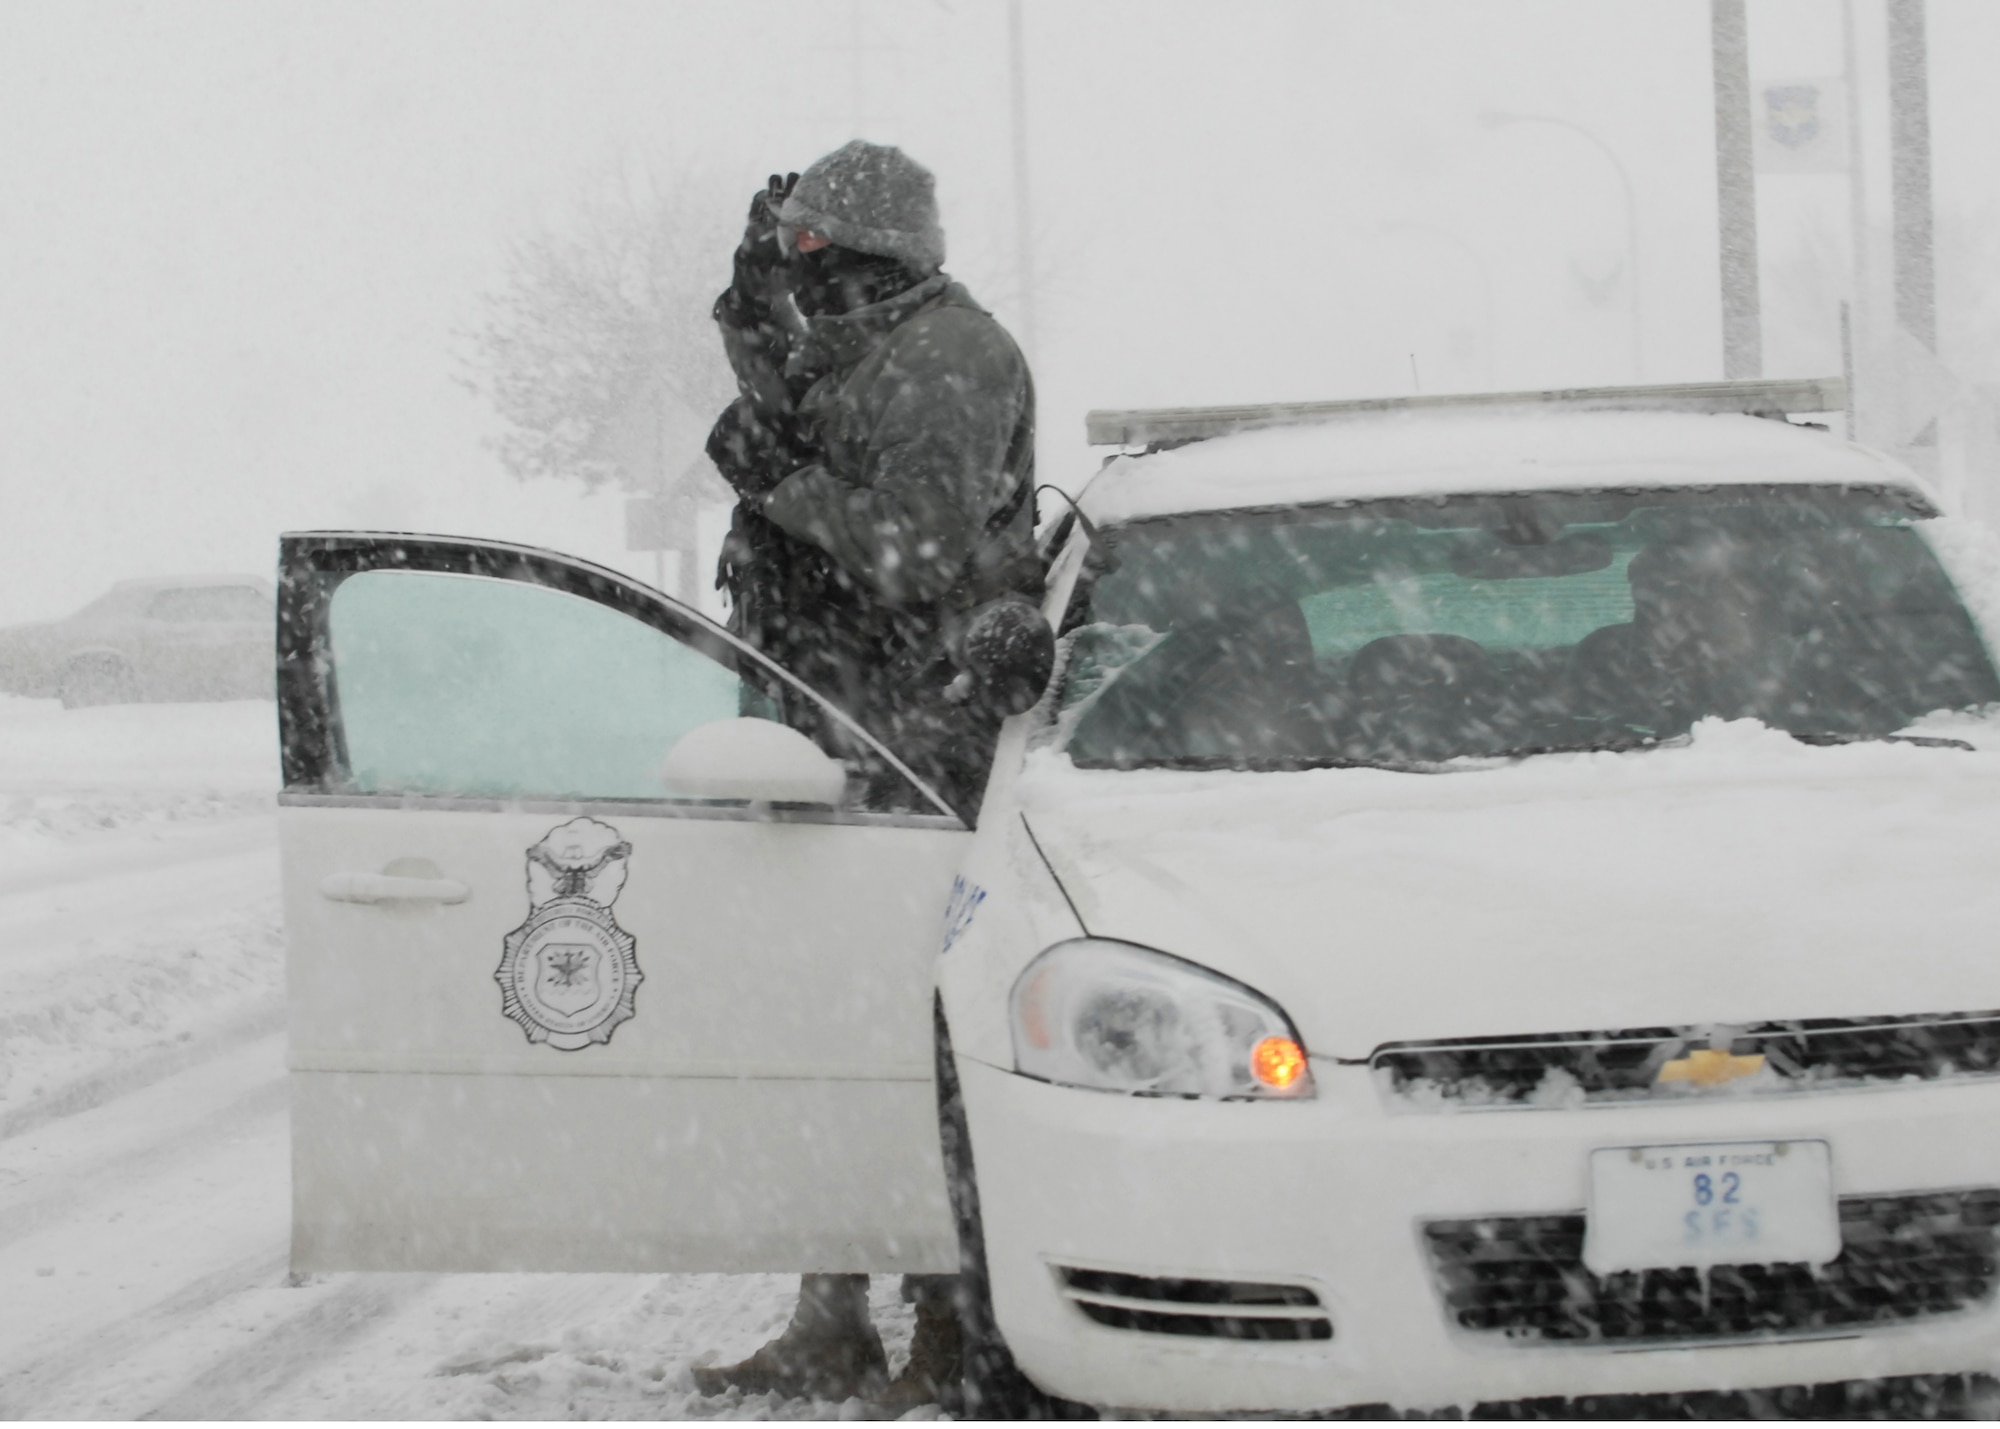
<point>466,685</point>
<point>1530,613</point>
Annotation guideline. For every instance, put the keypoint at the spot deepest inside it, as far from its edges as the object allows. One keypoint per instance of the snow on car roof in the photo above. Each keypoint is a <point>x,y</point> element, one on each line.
<point>1458,453</point>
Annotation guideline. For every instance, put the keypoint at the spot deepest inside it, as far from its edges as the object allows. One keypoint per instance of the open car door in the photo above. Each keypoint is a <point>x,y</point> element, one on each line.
<point>543,1016</point>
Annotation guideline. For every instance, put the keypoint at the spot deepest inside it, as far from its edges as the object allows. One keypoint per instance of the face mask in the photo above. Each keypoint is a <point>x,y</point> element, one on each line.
<point>834,280</point>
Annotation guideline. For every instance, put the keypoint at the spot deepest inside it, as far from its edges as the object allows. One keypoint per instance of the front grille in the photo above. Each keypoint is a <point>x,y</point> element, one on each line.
<point>1562,1069</point>
<point>1903,1258</point>
<point>1216,1309</point>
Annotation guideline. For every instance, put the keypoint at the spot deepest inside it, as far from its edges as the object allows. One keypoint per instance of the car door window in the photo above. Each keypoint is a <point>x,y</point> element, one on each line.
<point>457,684</point>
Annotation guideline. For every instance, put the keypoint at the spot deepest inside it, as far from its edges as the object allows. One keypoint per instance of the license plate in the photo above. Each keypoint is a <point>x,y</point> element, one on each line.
<point>1719,1203</point>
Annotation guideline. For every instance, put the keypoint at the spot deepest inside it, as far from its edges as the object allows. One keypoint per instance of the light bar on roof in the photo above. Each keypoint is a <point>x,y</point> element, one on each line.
<point>1760,398</point>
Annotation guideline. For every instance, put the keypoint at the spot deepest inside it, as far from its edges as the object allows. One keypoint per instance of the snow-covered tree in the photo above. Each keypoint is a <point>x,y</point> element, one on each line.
<point>600,325</point>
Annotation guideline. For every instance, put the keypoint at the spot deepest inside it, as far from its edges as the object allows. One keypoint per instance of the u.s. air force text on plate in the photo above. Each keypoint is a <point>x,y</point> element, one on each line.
<point>1711,1203</point>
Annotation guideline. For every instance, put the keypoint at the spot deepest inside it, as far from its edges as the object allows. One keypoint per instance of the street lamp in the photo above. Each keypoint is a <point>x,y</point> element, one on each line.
<point>1480,266</point>
<point>1497,120</point>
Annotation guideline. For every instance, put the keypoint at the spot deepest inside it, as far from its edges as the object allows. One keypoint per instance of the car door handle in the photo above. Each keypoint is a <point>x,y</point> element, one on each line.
<point>391,888</point>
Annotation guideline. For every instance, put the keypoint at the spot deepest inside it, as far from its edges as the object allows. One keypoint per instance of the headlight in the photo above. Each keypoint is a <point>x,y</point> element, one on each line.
<point>1122,1018</point>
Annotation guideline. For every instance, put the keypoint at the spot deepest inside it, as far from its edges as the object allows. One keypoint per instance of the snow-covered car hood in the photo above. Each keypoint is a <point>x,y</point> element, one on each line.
<point>1744,877</point>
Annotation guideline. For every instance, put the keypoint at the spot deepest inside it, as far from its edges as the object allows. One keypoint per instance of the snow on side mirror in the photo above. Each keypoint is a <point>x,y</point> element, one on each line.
<point>754,760</point>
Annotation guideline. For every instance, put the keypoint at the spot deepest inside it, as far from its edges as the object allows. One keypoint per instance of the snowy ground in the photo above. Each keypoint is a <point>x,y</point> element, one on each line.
<point>144,1198</point>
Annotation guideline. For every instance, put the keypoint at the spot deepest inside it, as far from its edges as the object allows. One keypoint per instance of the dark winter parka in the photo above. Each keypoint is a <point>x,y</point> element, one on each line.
<point>924,423</point>
<point>885,457</point>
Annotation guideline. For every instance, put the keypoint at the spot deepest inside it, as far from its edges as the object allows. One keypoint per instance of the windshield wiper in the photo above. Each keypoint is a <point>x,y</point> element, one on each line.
<point>1621,744</point>
<point>1928,741</point>
<point>1441,764</point>
<point>1653,741</point>
<point>1272,764</point>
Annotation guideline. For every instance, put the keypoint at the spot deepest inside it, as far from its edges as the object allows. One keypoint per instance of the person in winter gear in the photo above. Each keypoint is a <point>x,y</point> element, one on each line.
<point>882,451</point>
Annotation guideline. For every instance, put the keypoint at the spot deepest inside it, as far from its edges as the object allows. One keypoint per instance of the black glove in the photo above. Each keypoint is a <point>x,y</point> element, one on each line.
<point>758,256</point>
<point>755,450</point>
<point>758,343</point>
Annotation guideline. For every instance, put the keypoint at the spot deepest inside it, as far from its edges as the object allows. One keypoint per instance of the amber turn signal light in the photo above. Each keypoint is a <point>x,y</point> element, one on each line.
<point>1278,1062</point>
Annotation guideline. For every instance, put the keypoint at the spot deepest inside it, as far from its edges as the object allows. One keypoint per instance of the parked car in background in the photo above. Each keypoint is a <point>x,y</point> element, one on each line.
<point>163,639</point>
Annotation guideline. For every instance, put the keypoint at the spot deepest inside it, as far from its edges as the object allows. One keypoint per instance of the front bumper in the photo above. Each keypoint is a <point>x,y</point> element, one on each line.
<point>1332,1194</point>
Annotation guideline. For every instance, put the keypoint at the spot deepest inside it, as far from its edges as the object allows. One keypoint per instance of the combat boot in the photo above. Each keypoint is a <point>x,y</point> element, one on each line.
<point>830,1350</point>
<point>936,1369</point>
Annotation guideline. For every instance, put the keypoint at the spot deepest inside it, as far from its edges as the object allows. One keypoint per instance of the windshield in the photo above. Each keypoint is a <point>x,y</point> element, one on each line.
<point>1413,631</point>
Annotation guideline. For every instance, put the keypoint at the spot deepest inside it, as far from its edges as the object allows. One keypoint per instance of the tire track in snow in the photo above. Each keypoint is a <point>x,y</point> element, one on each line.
<point>156,1189</point>
<point>235,1385</point>
<point>86,1177</point>
<point>68,922</point>
<point>179,938</point>
<point>504,1345</point>
<point>389,1346</point>
<point>26,1391</point>
<point>135,1075</point>
<point>170,1200</point>
<point>116,854</point>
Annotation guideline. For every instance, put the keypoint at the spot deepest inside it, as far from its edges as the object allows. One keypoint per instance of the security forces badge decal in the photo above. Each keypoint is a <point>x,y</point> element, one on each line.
<point>569,974</point>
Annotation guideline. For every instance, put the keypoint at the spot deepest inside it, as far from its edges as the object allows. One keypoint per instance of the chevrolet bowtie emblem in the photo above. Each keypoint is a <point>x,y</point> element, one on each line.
<point>1710,1067</point>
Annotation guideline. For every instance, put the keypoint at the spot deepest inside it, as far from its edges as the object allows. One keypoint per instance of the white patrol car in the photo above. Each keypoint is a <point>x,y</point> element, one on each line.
<point>1497,902</point>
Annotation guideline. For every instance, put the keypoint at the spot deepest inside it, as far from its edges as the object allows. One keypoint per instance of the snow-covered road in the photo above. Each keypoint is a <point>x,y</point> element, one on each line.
<point>144,1195</point>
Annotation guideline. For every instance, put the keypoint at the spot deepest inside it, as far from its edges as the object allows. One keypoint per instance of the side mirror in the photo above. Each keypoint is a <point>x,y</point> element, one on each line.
<point>1009,654</point>
<point>754,760</point>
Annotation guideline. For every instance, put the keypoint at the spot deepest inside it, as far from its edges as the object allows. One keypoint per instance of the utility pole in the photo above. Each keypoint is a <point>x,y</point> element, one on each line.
<point>1910,183</point>
<point>870,95</point>
<point>857,78</point>
<point>1857,325</point>
<point>1017,67</point>
<point>1736,192</point>
<point>1910,171</point>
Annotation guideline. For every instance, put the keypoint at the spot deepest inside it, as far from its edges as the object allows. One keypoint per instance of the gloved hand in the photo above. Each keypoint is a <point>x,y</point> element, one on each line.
<point>758,255</point>
<point>754,450</point>
<point>758,343</point>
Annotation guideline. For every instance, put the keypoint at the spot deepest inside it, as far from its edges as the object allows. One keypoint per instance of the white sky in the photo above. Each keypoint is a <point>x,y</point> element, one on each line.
<point>236,239</point>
